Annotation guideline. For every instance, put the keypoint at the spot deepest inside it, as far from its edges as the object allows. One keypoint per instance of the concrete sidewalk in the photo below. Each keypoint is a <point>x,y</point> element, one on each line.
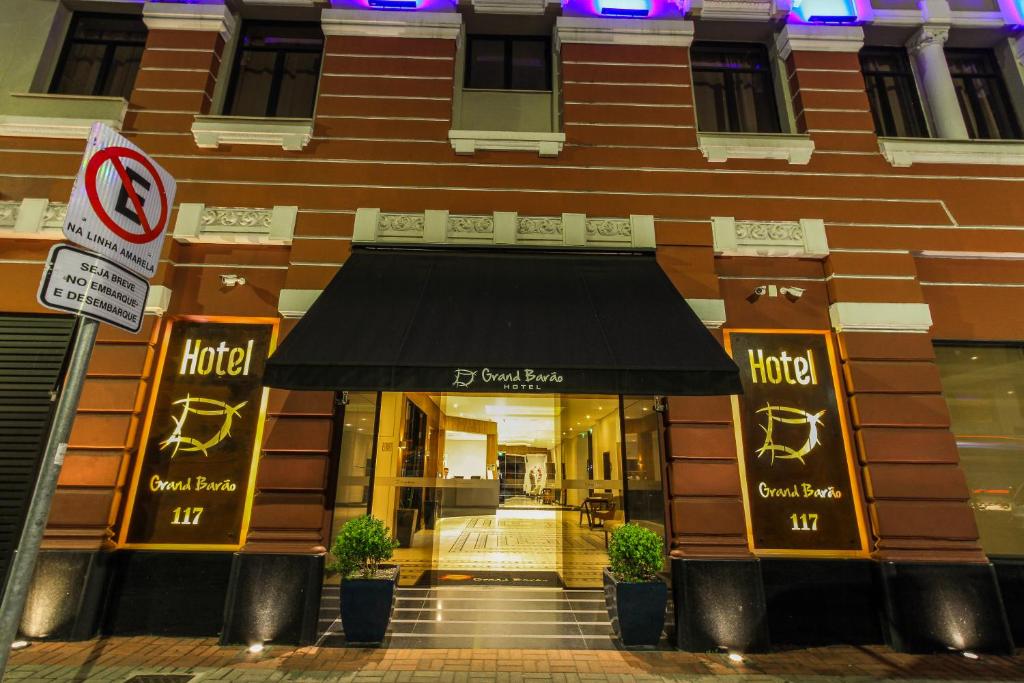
<point>120,659</point>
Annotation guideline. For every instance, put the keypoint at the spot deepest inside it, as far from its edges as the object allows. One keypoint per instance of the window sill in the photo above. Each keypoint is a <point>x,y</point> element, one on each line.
<point>46,115</point>
<point>210,132</point>
<point>719,147</point>
<point>903,152</point>
<point>469,141</point>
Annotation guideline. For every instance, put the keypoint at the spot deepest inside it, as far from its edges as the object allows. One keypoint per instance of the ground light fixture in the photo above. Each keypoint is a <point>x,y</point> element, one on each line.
<point>20,644</point>
<point>255,648</point>
<point>735,657</point>
<point>970,655</point>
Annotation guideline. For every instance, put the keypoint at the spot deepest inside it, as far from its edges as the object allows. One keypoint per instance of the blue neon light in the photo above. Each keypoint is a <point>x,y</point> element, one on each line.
<point>393,4</point>
<point>826,11</point>
<point>624,8</point>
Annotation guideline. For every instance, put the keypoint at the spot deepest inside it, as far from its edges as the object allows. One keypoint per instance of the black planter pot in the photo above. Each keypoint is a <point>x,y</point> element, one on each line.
<point>636,610</point>
<point>366,608</point>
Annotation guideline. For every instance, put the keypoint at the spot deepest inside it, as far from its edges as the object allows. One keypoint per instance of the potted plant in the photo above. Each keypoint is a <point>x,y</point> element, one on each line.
<point>367,585</point>
<point>634,594</point>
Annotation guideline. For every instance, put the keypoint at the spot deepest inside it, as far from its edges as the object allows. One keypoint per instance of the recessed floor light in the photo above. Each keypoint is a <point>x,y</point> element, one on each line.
<point>256,648</point>
<point>735,657</point>
<point>20,644</point>
<point>970,655</point>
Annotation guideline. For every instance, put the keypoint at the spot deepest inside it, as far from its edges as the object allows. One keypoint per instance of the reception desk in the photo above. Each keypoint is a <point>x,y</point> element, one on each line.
<point>461,497</point>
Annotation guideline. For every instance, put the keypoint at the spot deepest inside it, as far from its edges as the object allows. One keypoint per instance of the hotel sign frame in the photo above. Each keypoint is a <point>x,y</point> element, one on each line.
<point>144,445</point>
<point>742,422</point>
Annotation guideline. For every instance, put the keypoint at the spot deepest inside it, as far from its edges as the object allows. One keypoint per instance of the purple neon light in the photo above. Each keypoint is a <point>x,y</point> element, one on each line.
<point>824,12</point>
<point>611,9</point>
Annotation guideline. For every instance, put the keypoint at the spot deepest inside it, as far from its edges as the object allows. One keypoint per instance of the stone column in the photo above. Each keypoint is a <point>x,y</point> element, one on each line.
<point>927,49</point>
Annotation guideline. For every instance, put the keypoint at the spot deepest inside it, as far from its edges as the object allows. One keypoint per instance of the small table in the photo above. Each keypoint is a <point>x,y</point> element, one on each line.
<point>591,505</point>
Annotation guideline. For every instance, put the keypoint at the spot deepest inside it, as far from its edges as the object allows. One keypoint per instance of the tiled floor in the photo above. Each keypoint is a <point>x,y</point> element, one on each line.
<point>514,539</point>
<point>486,617</point>
<point>117,659</point>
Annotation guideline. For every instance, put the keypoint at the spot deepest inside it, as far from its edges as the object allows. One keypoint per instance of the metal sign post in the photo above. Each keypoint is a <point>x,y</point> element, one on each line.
<point>119,209</point>
<point>24,561</point>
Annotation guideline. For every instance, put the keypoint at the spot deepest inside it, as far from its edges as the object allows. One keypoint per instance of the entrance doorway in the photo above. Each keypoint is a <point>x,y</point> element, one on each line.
<point>502,489</point>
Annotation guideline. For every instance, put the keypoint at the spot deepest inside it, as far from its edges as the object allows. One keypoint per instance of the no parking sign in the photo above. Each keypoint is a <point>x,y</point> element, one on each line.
<point>121,202</point>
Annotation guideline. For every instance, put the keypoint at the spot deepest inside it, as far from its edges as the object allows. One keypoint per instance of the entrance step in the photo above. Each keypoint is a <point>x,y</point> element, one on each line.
<point>485,617</point>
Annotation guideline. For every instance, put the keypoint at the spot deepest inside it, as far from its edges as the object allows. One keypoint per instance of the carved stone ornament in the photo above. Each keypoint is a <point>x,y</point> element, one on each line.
<point>927,37</point>
<point>9,214</point>
<point>470,225</point>
<point>217,218</point>
<point>762,232</point>
<point>539,225</point>
<point>399,223</point>
<point>55,215</point>
<point>609,227</point>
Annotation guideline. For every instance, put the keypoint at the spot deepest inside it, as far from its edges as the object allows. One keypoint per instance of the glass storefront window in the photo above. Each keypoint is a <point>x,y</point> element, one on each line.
<point>983,386</point>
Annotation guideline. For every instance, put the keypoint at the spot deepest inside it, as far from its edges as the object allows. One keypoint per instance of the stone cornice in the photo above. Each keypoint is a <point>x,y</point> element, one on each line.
<point>346,22</point>
<point>672,32</point>
<point>818,38</point>
<point>182,17</point>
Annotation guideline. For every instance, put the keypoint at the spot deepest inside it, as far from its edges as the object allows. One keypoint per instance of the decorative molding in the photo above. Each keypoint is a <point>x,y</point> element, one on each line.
<point>880,317</point>
<point>469,141</point>
<point>159,300</point>
<point>719,147</point>
<point>818,38</point>
<point>927,36</point>
<point>9,214</point>
<point>293,303</point>
<point>710,311</point>
<point>512,6</point>
<point>51,127</point>
<point>348,22</point>
<point>733,10</point>
<point>33,218</point>
<point>593,30</point>
<point>188,17</point>
<point>200,224</point>
<point>504,228</point>
<point>903,152</point>
<point>802,238</point>
<point>210,132</point>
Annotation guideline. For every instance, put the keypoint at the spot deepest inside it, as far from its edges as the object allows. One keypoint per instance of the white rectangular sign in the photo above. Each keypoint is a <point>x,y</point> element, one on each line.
<point>121,202</point>
<point>89,285</point>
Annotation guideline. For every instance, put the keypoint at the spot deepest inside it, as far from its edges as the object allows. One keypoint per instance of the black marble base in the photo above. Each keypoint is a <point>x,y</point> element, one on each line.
<point>933,607</point>
<point>66,596</point>
<point>822,601</point>
<point>719,604</point>
<point>167,593</point>
<point>273,598</point>
<point>1010,573</point>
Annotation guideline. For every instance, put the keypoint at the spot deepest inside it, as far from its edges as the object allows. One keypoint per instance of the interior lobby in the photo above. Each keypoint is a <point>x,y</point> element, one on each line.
<point>500,489</point>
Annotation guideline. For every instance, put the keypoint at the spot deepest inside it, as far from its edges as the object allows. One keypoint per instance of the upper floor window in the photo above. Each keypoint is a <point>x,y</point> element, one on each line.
<point>508,63</point>
<point>277,70</point>
<point>101,55</point>
<point>733,89</point>
<point>892,92</point>
<point>982,94</point>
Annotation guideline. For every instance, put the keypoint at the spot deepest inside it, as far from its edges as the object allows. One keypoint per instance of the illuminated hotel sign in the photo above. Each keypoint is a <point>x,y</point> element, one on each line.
<point>194,478</point>
<point>800,487</point>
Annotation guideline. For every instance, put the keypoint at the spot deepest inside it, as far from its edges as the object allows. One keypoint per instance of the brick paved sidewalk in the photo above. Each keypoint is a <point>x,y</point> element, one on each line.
<point>118,659</point>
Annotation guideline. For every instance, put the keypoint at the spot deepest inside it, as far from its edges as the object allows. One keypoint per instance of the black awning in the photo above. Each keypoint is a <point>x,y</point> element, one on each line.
<point>419,320</point>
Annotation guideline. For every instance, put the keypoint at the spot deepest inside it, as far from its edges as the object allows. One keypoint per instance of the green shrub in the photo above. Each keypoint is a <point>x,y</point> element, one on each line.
<point>636,554</point>
<point>362,544</point>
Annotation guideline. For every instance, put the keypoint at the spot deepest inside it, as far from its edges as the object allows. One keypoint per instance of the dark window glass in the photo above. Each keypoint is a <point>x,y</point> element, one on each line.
<point>892,93</point>
<point>101,56</point>
<point>277,69</point>
<point>733,88</point>
<point>982,94</point>
<point>508,63</point>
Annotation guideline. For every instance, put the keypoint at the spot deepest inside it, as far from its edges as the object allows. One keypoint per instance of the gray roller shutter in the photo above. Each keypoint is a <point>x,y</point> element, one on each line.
<point>32,354</point>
